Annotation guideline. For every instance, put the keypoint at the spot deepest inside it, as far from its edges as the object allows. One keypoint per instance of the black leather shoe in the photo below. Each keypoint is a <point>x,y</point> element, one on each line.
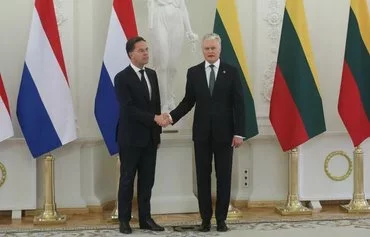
<point>150,225</point>
<point>124,227</point>
<point>205,226</point>
<point>221,226</point>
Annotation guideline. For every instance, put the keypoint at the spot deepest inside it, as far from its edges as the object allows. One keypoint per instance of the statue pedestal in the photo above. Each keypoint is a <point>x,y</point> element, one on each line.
<point>173,186</point>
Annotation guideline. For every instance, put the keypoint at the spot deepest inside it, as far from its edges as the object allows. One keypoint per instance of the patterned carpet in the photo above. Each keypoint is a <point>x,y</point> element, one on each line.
<point>337,228</point>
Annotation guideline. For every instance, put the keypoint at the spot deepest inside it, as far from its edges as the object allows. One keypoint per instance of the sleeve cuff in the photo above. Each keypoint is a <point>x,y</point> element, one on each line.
<point>239,136</point>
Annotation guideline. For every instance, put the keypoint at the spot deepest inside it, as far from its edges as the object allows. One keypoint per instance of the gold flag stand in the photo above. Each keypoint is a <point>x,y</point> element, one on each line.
<point>114,215</point>
<point>234,213</point>
<point>49,215</point>
<point>358,203</point>
<point>293,206</point>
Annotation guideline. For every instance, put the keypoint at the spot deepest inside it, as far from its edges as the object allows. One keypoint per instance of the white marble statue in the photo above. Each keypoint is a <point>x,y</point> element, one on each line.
<point>168,25</point>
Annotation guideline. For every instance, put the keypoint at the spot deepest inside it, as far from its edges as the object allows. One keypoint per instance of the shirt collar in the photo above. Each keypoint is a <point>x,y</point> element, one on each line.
<point>217,64</point>
<point>136,69</point>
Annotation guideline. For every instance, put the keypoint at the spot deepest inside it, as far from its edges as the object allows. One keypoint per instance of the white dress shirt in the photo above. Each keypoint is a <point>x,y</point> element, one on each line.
<point>137,70</point>
<point>215,69</point>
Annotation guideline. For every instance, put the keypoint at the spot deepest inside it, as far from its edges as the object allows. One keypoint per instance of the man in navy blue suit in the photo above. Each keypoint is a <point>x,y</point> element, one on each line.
<point>138,134</point>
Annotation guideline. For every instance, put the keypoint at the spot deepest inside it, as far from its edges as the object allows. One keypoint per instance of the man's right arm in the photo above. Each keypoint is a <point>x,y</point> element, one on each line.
<point>125,99</point>
<point>187,102</point>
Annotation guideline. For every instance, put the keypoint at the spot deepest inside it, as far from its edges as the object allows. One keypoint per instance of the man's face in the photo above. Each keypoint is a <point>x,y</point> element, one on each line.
<point>140,55</point>
<point>211,50</point>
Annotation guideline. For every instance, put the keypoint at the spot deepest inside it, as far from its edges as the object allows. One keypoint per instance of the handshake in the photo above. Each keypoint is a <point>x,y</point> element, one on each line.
<point>163,120</point>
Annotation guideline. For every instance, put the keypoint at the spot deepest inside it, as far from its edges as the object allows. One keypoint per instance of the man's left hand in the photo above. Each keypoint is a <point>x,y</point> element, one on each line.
<point>237,142</point>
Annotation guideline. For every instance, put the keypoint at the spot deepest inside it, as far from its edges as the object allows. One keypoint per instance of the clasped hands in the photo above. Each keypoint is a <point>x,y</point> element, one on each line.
<point>163,120</point>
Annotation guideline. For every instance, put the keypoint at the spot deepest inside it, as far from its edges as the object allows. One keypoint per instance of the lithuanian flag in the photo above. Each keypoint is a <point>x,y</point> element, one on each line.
<point>354,97</point>
<point>227,26</point>
<point>296,111</point>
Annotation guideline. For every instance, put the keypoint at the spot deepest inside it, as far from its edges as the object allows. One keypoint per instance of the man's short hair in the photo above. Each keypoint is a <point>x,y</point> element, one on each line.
<point>130,44</point>
<point>212,36</point>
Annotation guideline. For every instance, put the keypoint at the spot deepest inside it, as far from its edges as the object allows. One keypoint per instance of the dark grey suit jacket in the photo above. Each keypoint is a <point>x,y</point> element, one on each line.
<point>222,113</point>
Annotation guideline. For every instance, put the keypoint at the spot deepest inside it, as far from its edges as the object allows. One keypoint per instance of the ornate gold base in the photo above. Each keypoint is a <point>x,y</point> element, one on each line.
<point>357,206</point>
<point>293,207</point>
<point>234,213</point>
<point>49,216</point>
<point>114,215</point>
<point>293,211</point>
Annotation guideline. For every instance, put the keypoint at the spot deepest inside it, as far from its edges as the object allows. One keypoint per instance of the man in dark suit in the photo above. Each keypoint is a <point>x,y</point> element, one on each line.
<point>218,126</point>
<point>138,134</point>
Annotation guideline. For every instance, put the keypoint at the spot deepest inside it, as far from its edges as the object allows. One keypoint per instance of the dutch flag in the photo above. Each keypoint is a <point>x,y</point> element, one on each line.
<point>122,26</point>
<point>6,127</point>
<point>44,107</point>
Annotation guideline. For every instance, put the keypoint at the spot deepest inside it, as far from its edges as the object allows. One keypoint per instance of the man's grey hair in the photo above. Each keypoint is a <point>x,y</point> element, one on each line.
<point>212,36</point>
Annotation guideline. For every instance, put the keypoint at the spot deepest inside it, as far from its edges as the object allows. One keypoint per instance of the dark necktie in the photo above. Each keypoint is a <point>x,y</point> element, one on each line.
<point>143,82</point>
<point>212,79</point>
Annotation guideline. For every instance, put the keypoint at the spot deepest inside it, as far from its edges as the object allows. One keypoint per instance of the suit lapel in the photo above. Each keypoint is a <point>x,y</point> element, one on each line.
<point>220,78</point>
<point>136,80</point>
<point>221,72</point>
<point>204,82</point>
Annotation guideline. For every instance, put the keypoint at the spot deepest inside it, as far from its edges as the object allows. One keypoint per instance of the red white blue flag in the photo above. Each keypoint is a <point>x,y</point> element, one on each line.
<point>6,127</point>
<point>122,26</point>
<point>44,107</point>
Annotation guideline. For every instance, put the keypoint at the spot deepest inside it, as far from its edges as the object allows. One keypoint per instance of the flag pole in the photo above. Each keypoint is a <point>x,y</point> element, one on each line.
<point>114,215</point>
<point>358,202</point>
<point>293,206</point>
<point>50,214</point>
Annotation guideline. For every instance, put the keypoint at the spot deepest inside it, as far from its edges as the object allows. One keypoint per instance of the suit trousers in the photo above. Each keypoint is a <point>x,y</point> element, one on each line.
<point>223,153</point>
<point>142,160</point>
